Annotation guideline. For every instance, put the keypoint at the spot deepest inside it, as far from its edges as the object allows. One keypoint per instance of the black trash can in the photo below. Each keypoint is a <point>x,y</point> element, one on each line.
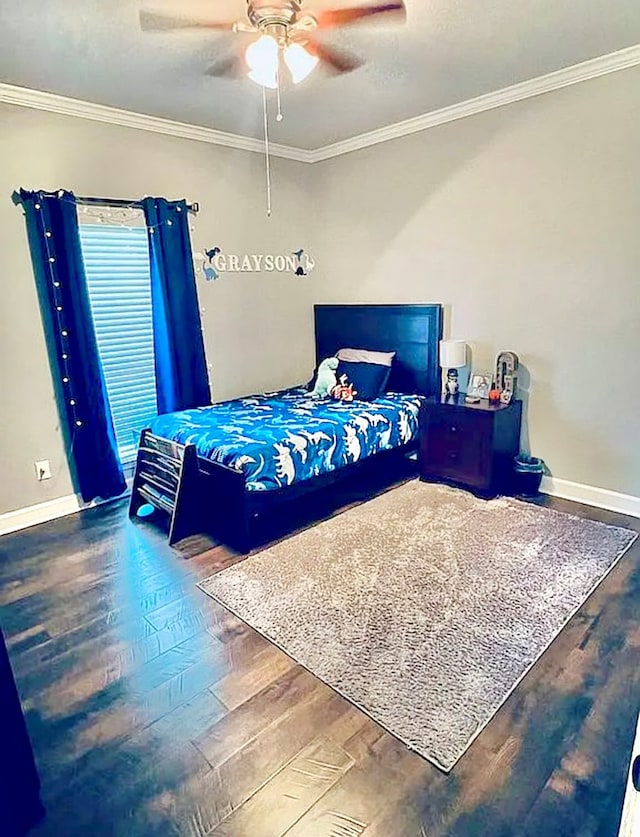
<point>527,475</point>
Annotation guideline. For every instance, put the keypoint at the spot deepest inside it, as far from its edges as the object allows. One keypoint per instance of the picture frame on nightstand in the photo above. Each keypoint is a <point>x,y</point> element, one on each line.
<point>479,384</point>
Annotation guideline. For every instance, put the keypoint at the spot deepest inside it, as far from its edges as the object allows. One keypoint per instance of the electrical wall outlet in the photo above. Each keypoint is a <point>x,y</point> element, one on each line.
<point>43,470</point>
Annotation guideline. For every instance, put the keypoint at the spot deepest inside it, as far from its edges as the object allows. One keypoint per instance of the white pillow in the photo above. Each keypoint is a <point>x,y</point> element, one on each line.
<point>366,356</point>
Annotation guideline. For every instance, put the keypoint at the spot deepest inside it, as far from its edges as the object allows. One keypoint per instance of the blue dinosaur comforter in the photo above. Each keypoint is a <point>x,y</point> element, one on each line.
<point>285,437</point>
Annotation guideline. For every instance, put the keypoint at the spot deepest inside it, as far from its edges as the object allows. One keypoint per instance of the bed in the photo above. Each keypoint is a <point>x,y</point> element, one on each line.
<point>215,469</point>
<point>281,438</point>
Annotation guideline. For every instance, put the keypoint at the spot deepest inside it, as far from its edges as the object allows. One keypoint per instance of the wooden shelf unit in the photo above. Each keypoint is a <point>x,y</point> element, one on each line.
<point>166,477</point>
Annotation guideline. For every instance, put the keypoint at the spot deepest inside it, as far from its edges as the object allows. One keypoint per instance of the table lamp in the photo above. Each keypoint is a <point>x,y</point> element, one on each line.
<point>453,355</point>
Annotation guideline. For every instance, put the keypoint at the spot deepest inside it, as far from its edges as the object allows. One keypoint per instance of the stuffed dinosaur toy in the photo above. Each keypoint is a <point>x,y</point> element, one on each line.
<point>326,379</point>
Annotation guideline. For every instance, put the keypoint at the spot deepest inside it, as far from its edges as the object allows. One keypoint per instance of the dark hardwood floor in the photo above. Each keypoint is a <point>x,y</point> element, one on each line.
<point>154,711</point>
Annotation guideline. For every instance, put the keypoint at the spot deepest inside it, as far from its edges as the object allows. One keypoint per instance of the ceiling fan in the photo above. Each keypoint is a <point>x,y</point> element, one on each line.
<point>285,33</point>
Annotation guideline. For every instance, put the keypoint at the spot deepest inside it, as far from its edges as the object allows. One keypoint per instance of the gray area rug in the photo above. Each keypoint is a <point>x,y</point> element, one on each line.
<point>425,606</point>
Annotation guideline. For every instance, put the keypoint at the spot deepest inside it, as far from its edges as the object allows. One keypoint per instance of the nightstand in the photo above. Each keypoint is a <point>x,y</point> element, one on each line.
<point>471,445</point>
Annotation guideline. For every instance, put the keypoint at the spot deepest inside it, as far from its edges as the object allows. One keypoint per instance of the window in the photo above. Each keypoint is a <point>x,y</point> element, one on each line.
<point>116,260</point>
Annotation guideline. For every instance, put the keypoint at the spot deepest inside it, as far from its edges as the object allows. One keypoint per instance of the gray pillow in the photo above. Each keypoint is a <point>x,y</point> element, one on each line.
<point>366,356</point>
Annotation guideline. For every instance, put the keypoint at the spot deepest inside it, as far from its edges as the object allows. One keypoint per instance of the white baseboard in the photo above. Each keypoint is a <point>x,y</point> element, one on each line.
<point>23,518</point>
<point>567,490</point>
<point>592,496</point>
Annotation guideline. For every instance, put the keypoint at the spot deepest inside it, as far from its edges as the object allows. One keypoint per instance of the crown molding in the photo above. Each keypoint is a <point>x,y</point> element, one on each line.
<point>593,68</point>
<point>53,103</point>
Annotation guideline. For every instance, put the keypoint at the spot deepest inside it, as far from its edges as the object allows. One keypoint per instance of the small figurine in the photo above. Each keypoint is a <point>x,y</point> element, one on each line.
<point>343,390</point>
<point>483,385</point>
<point>452,386</point>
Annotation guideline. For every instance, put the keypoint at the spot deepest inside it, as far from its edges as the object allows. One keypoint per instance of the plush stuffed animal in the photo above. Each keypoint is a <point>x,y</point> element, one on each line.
<point>343,391</point>
<point>326,379</point>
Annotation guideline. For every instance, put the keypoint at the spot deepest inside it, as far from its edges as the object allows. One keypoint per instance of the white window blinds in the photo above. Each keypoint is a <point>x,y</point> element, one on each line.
<point>116,263</point>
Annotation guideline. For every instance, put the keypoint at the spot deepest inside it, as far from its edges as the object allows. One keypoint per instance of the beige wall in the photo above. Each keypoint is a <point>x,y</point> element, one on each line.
<point>525,222</point>
<point>258,327</point>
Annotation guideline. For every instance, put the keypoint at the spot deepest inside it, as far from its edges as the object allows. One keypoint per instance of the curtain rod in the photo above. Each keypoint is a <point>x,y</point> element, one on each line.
<point>192,207</point>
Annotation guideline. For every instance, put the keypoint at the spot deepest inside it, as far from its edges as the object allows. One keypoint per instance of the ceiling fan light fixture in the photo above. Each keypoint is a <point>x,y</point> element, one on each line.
<point>262,58</point>
<point>300,62</point>
<point>264,78</point>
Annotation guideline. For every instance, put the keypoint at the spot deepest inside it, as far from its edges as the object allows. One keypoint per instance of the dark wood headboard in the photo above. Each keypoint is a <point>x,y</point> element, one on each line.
<point>413,331</point>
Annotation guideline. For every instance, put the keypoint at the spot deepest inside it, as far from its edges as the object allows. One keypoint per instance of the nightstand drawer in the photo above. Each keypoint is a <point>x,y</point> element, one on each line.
<point>456,445</point>
<point>452,423</point>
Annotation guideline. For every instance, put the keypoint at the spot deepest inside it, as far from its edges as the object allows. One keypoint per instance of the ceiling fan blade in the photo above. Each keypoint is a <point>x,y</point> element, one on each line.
<point>338,61</point>
<point>158,22</point>
<point>305,23</point>
<point>332,18</point>
<point>230,66</point>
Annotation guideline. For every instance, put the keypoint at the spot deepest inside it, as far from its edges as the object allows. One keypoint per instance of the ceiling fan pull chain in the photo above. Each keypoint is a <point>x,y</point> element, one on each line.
<point>266,150</point>
<point>279,116</point>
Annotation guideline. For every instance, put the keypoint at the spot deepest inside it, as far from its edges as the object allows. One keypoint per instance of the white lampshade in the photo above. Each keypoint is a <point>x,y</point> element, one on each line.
<point>300,62</point>
<point>453,354</point>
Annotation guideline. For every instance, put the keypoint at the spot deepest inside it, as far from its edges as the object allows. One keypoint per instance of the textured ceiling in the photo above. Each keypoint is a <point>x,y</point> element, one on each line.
<point>449,51</point>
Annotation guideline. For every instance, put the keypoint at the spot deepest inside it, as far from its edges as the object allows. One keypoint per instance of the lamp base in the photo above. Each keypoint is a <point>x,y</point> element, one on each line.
<point>451,385</point>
